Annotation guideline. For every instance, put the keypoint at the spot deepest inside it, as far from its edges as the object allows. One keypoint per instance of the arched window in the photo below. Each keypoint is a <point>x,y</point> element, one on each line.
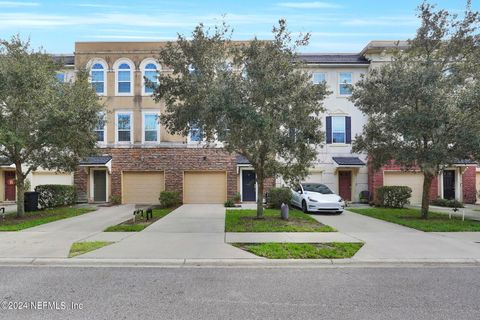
<point>124,77</point>
<point>97,77</point>
<point>150,72</point>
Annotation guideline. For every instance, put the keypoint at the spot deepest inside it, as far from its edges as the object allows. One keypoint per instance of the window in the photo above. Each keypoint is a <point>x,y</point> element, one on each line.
<point>124,77</point>
<point>100,128</point>
<point>150,127</point>
<point>97,78</point>
<point>345,82</point>
<point>60,76</point>
<point>124,127</point>
<point>338,129</point>
<point>150,72</point>
<point>319,77</point>
<point>195,133</point>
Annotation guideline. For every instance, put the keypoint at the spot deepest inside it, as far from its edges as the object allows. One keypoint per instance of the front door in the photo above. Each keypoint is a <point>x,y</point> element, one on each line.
<point>248,185</point>
<point>449,184</point>
<point>100,186</point>
<point>10,189</point>
<point>345,185</point>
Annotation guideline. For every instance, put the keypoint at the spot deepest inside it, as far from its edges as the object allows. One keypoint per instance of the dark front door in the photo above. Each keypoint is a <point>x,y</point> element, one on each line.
<point>99,186</point>
<point>449,184</point>
<point>345,185</point>
<point>248,185</point>
<point>10,189</point>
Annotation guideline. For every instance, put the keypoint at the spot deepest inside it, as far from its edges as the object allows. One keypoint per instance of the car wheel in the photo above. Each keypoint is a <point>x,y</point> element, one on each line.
<point>304,206</point>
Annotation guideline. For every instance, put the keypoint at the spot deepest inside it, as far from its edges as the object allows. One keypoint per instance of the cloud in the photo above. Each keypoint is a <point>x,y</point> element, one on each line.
<point>128,37</point>
<point>97,5</point>
<point>15,4</point>
<point>382,21</point>
<point>309,5</point>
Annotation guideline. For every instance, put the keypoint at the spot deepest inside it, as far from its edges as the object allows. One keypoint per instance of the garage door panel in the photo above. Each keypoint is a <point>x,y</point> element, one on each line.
<point>142,187</point>
<point>205,187</point>
<point>413,180</point>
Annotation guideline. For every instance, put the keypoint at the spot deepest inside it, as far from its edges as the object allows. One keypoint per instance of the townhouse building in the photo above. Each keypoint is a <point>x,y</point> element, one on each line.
<point>138,158</point>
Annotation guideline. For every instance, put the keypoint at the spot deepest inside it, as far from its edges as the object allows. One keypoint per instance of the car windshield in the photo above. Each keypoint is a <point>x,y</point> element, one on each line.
<point>316,187</point>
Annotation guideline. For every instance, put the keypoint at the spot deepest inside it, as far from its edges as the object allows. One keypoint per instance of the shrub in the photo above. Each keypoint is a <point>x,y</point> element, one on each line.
<point>169,199</point>
<point>364,196</point>
<point>237,197</point>
<point>229,203</point>
<point>393,196</point>
<point>447,203</point>
<point>115,200</point>
<point>55,195</point>
<point>277,196</point>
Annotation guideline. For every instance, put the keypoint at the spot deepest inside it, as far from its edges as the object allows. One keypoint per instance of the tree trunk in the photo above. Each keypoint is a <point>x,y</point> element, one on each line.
<point>20,182</point>
<point>427,183</point>
<point>260,180</point>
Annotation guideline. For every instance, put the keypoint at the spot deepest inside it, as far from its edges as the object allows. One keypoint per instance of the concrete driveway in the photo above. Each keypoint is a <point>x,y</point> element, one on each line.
<point>193,231</point>
<point>385,240</point>
<point>53,240</point>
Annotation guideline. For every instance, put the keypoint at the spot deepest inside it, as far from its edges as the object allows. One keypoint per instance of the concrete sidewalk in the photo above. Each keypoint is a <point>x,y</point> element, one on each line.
<point>385,240</point>
<point>193,231</point>
<point>54,239</point>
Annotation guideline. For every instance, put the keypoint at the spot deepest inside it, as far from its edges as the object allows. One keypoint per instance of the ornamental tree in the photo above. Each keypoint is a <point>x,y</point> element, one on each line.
<point>44,123</point>
<point>423,107</point>
<point>252,97</point>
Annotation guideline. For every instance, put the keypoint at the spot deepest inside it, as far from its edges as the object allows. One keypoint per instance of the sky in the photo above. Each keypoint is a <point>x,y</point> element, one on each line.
<point>335,26</point>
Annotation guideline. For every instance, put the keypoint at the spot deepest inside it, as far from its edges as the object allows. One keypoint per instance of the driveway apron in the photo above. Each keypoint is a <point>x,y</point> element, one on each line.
<point>193,231</point>
<point>385,240</point>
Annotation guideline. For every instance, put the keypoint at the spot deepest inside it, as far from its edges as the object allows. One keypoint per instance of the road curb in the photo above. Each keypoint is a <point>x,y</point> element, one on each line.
<point>313,263</point>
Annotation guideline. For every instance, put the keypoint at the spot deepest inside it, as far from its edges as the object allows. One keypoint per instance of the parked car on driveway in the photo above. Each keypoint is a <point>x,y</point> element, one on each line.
<point>316,197</point>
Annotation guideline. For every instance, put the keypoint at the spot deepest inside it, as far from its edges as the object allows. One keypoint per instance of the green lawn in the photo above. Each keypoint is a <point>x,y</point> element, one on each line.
<point>437,222</point>
<point>246,221</point>
<point>36,218</point>
<point>334,250</point>
<point>79,248</point>
<point>140,224</point>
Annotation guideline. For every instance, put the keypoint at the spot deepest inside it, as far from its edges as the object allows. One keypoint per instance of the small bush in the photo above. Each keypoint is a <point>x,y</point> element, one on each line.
<point>364,196</point>
<point>115,200</point>
<point>237,197</point>
<point>277,196</point>
<point>447,203</point>
<point>55,195</point>
<point>169,199</point>
<point>229,203</point>
<point>393,196</point>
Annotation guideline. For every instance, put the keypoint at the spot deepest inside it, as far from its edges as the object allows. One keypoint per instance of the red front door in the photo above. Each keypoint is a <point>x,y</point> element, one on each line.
<point>10,190</point>
<point>345,185</point>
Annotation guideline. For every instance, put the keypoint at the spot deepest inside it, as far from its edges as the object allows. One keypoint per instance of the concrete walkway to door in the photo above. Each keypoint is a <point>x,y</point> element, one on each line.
<point>193,231</point>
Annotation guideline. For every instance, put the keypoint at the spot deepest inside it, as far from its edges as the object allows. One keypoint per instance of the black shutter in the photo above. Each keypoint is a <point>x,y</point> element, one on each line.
<point>348,130</point>
<point>329,130</point>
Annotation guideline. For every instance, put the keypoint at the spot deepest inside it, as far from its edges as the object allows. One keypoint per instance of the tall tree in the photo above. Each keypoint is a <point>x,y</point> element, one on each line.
<point>423,106</point>
<point>44,123</point>
<point>253,97</point>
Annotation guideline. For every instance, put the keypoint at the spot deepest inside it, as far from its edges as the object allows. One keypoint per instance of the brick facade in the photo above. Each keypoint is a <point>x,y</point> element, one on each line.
<point>172,161</point>
<point>469,185</point>
<point>375,180</point>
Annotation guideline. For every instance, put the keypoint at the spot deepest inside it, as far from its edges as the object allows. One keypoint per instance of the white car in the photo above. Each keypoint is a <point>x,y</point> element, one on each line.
<point>316,197</point>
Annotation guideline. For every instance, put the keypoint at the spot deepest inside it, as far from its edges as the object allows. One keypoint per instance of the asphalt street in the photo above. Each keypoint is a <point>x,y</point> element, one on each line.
<point>240,293</point>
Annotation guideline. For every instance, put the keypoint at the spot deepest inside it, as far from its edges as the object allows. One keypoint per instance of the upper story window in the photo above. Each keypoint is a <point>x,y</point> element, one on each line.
<point>150,127</point>
<point>98,77</point>
<point>319,77</point>
<point>100,129</point>
<point>60,76</point>
<point>124,77</point>
<point>124,126</point>
<point>149,71</point>
<point>339,129</point>
<point>195,133</point>
<point>345,82</point>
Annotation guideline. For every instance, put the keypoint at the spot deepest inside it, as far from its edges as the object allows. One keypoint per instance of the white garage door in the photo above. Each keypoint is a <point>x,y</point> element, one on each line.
<point>40,178</point>
<point>205,187</point>
<point>142,187</point>
<point>413,180</point>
